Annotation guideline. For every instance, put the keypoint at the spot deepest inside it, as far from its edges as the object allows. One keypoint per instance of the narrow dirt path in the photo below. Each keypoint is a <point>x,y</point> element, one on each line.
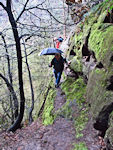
<point>59,136</point>
<point>59,100</point>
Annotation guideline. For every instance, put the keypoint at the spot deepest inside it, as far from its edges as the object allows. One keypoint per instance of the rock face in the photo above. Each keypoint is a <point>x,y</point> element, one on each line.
<point>92,42</point>
<point>79,7</point>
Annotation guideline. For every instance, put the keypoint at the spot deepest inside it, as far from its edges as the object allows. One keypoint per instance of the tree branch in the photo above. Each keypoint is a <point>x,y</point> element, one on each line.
<point>22,11</point>
<point>49,14</point>
<point>1,4</point>
<point>32,35</point>
<point>30,53</point>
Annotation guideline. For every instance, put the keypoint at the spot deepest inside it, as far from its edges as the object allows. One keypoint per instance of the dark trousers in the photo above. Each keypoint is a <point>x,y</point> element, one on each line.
<point>57,76</point>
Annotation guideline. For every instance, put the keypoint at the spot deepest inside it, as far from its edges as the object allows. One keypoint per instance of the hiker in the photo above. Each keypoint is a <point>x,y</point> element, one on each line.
<point>58,65</point>
<point>60,39</point>
<point>57,42</point>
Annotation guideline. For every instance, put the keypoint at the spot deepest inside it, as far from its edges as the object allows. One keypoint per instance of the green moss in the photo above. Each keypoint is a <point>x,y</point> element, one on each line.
<point>80,117</point>
<point>78,42</point>
<point>80,146</point>
<point>65,111</point>
<point>72,44</point>
<point>97,95</point>
<point>80,122</point>
<point>47,116</point>
<point>109,132</point>
<point>76,64</point>
<point>74,89</point>
<point>78,38</point>
<point>99,43</point>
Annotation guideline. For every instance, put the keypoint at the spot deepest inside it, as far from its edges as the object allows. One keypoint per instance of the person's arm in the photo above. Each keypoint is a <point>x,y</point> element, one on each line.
<point>67,62</point>
<point>51,64</point>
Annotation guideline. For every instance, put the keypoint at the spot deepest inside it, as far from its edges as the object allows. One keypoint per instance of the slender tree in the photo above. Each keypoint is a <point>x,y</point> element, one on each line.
<point>13,94</point>
<point>31,86</point>
<point>12,21</point>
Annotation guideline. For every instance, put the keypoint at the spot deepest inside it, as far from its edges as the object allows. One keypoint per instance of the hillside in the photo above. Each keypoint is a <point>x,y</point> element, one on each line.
<point>77,115</point>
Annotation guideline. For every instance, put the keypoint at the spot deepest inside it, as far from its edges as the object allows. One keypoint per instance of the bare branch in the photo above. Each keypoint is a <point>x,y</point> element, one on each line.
<point>30,53</point>
<point>22,10</point>
<point>1,4</point>
<point>49,14</point>
<point>31,35</point>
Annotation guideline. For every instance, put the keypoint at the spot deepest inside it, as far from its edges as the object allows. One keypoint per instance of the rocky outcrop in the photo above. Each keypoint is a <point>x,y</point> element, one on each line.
<point>92,42</point>
<point>78,8</point>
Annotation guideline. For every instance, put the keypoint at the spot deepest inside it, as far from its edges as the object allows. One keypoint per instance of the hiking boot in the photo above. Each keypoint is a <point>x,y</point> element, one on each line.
<point>56,86</point>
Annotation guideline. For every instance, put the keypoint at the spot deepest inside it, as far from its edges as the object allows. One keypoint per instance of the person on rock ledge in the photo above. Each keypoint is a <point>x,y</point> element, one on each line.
<point>58,65</point>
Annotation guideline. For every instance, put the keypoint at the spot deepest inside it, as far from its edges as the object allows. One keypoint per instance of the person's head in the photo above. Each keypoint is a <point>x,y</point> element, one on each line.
<point>57,56</point>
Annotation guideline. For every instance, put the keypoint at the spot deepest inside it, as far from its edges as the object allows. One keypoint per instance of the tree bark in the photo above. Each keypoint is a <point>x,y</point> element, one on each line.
<point>17,123</point>
<point>31,86</point>
<point>13,94</point>
<point>10,87</point>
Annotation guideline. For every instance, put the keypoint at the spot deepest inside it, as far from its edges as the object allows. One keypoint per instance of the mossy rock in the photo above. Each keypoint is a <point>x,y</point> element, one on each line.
<point>47,115</point>
<point>100,41</point>
<point>80,146</point>
<point>97,94</point>
<point>81,121</point>
<point>109,133</point>
<point>99,36</point>
<point>74,89</point>
<point>76,64</point>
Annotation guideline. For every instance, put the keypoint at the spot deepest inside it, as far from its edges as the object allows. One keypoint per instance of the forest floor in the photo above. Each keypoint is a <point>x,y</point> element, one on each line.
<point>59,136</point>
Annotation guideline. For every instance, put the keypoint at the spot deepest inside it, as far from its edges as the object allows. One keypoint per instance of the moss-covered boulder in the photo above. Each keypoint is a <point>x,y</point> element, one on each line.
<point>75,108</point>
<point>109,133</point>
<point>47,115</point>
<point>96,33</point>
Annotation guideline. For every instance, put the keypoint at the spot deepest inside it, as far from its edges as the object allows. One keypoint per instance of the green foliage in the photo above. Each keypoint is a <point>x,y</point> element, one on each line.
<point>80,122</point>
<point>76,64</point>
<point>98,41</point>
<point>47,115</point>
<point>66,110</point>
<point>80,146</point>
<point>74,89</point>
<point>97,94</point>
<point>108,5</point>
<point>78,39</point>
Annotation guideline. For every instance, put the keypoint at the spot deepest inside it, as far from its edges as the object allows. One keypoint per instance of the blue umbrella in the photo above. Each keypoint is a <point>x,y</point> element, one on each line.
<point>50,51</point>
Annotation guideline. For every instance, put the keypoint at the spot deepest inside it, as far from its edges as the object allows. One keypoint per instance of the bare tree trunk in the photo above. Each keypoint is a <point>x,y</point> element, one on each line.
<point>17,123</point>
<point>31,86</point>
<point>15,114</point>
<point>9,85</point>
